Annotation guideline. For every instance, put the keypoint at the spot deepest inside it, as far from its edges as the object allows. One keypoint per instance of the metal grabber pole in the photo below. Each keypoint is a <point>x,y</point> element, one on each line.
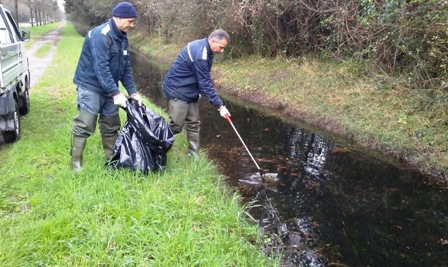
<point>258,167</point>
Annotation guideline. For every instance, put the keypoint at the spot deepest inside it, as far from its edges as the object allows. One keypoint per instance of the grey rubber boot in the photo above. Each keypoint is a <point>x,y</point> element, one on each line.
<point>193,144</point>
<point>77,148</point>
<point>109,127</point>
<point>109,145</point>
<point>84,124</point>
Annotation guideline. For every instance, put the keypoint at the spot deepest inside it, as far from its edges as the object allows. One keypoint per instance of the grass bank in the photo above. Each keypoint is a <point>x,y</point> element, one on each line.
<point>372,110</point>
<point>52,216</point>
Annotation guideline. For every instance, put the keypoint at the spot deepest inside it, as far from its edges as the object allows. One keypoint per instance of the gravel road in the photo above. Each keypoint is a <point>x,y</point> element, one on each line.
<point>39,64</point>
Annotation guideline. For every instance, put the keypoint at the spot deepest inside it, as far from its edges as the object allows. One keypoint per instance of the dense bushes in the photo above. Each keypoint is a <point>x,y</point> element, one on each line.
<point>407,37</point>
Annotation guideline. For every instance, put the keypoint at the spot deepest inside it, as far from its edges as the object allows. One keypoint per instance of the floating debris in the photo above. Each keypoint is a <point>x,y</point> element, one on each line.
<point>336,150</point>
<point>257,179</point>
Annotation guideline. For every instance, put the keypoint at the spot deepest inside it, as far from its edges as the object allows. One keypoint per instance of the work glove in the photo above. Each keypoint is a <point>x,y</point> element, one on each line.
<point>137,98</point>
<point>120,100</point>
<point>223,111</point>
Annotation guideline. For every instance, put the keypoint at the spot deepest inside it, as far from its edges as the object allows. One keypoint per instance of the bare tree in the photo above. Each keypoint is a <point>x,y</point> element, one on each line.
<point>403,36</point>
<point>16,7</point>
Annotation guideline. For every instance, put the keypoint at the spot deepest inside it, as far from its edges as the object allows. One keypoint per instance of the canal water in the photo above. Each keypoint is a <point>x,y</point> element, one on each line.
<point>324,201</point>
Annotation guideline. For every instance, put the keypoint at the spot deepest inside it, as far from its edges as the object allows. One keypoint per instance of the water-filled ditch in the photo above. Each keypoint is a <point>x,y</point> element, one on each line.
<point>326,202</point>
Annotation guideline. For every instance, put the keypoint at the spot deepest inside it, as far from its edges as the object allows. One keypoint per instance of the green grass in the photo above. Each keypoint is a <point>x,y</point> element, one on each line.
<point>375,111</point>
<point>53,216</point>
<point>43,50</point>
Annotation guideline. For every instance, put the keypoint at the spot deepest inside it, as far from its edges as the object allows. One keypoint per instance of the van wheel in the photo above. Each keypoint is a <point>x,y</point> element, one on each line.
<point>12,136</point>
<point>24,101</point>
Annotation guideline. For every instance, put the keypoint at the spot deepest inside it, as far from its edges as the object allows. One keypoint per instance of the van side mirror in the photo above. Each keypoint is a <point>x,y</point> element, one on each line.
<point>25,34</point>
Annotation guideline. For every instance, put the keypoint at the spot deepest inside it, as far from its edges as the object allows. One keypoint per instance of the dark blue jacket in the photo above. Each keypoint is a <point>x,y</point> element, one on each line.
<point>104,61</point>
<point>189,75</point>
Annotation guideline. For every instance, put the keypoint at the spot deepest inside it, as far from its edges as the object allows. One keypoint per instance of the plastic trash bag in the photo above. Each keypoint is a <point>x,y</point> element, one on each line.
<point>143,142</point>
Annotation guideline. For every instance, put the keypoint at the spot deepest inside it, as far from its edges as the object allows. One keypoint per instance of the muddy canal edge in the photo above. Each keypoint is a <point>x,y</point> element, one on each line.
<point>284,109</point>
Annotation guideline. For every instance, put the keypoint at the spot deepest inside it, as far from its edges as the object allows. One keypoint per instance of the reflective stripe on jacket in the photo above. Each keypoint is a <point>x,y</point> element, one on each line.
<point>189,75</point>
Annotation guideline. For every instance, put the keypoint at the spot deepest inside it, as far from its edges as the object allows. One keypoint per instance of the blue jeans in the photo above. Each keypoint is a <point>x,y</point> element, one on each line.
<point>90,105</point>
<point>95,103</point>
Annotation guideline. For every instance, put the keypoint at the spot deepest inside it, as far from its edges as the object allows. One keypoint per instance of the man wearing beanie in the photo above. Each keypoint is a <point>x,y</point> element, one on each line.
<point>104,61</point>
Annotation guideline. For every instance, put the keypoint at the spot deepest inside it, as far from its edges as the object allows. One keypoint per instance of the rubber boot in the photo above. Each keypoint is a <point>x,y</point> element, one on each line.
<point>77,149</point>
<point>84,124</point>
<point>193,144</point>
<point>109,145</point>
<point>109,127</point>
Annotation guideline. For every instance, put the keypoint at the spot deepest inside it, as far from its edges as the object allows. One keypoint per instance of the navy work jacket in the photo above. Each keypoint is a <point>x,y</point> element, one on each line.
<point>104,61</point>
<point>189,75</point>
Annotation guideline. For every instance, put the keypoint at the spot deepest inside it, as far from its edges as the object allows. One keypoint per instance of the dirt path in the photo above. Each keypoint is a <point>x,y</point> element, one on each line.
<point>38,65</point>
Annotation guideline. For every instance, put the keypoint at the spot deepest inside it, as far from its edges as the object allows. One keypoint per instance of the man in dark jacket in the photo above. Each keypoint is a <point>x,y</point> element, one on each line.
<point>104,61</point>
<point>188,79</point>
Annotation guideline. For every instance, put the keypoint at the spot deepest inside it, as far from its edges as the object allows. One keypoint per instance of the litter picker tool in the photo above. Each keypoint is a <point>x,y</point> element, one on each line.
<point>270,207</point>
<point>258,167</point>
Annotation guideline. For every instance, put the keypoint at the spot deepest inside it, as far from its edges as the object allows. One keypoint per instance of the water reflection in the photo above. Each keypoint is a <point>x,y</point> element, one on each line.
<point>331,203</point>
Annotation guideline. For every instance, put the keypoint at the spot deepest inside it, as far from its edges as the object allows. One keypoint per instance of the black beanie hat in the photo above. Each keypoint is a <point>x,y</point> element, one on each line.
<point>124,10</point>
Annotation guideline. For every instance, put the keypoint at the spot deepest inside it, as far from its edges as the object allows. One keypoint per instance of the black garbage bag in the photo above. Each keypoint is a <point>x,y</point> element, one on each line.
<point>143,142</point>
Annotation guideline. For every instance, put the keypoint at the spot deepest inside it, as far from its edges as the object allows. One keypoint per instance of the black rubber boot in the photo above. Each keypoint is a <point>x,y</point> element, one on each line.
<point>77,149</point>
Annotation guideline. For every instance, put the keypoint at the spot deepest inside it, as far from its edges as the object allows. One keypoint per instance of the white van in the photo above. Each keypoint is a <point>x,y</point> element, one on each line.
<point>14,77</point>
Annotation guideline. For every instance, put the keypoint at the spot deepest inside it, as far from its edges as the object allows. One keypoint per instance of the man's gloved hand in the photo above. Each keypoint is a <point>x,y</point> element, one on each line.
<point>223,111</point>
<point>137,98</point>
<point>120,100</point>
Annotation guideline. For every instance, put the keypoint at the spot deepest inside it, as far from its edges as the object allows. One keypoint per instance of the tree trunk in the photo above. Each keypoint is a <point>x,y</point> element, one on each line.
<point>40,18</point>
<point>31,17</point>
<point>36,15</point>
<point>16,6</point>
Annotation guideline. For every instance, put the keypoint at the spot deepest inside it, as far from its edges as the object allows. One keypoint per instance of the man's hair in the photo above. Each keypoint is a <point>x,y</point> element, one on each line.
<point>219,34</point>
